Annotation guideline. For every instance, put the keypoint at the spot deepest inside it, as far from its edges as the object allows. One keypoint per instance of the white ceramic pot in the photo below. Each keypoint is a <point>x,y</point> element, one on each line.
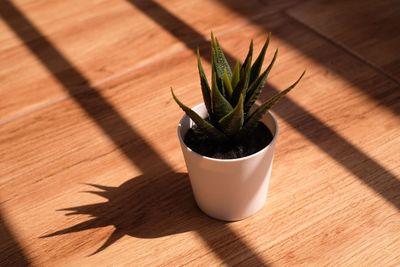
<point>229,189</point>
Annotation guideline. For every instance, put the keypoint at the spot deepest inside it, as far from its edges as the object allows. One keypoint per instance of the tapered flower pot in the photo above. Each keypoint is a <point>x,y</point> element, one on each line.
<point>229,189</point>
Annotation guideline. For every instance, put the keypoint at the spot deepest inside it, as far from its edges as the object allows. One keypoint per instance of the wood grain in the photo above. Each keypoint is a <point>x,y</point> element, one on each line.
<point>106,44</point>
<point>368,29</point>
<point>334,196</point>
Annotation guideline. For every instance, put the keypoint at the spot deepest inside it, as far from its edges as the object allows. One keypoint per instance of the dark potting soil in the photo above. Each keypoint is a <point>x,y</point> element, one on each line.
<point>201,143</point>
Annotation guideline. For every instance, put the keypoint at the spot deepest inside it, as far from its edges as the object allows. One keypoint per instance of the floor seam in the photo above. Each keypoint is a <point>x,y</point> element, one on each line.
<point>345,49</point>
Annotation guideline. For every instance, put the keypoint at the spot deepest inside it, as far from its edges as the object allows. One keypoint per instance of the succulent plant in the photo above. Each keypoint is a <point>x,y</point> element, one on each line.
<point>230,100</point>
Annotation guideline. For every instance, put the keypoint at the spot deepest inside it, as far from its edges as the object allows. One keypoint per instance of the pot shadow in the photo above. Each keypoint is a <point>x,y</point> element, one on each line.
<point>152,207</point>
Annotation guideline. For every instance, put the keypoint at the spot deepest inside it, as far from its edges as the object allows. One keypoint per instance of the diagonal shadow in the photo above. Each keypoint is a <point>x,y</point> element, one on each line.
<point>338,148</point>
<point>386,96</point>
<point>135,148</point>
<point>11,252</point>
<point>387,185</point>
<point>142,207</point>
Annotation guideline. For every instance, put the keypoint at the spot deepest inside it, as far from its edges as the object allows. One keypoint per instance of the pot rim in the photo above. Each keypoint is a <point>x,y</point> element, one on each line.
<point>273,141</point>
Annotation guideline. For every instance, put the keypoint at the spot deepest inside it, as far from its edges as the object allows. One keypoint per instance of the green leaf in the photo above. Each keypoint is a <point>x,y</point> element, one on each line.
<point>227,85</point>
<point>247,60</point>
<point>241,88</point>
<point>252,120</point>
<point>221,88</point>
<point>220,60</point>
<point>236,74</point>
<point>221,106</point>
<point>231,123</point>
<point>255,89</point>
<point>205,87</point>
<point>213,74</point>
<point>200,122</point>
<point>219,79</point>
<point>256,68</point>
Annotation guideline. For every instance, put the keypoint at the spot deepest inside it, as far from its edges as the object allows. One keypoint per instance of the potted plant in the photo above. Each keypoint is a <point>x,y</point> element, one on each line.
<point>228,141</point>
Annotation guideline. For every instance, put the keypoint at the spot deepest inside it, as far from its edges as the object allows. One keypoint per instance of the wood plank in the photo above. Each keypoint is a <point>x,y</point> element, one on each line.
<point>369,29</point>
<point>103,47</point>
<point>320,210</point>
<point>96,44</point>
<point>321,56</point>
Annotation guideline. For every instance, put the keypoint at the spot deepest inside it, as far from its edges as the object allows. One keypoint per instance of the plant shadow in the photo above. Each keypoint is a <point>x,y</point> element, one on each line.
<point>144,207</point>
<point>151,207</point>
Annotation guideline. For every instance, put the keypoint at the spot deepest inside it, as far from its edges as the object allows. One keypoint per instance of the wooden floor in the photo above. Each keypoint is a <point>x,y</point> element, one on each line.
<point>91,173</point>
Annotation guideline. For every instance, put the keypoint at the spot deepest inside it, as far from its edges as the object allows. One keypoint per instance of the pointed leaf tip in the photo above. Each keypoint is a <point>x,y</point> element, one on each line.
<point>199,121</point>
<point>257,86</point>
<point>205,87</point>
<point>235,75</point>
<point>227,85</point>
<point>252,120</point>
<point>233,122</point>
<point>220,104</point>
<point>256,67</point>
<point>219,60</point>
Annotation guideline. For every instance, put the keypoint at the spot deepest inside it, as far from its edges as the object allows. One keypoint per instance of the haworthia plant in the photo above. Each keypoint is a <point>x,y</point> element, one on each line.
<point>230,95</point>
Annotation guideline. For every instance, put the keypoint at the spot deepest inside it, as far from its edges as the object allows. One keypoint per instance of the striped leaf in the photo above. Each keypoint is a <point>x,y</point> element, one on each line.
<point>233,122</point>
<point>248,59</point>
<point>200,122</point>
<point>255,89</point>
<point>256,68</point>
<point>221,106</point>
<point>241,88</point>
<point>227,85</point>
<point>205,87</point>
<point>253,119</point>
<point>220,60</point>
<point>236,74</point>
